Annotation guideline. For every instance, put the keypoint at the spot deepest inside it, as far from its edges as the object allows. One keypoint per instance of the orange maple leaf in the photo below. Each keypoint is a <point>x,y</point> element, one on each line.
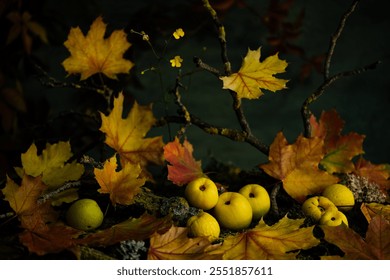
<point>93,53</point>
<point>255,75</point>
<point>182,168</point>
<point>42,233</point>
<point>127,136</point>
<point>339,149</point>
<point>176,245</point>
<point>122,185</point>
<point>269,242</point>
<point>296,165</point>
<point>23,200</point>
<point>131,229</point>
<point>49,239</point>
<point>375,246</point>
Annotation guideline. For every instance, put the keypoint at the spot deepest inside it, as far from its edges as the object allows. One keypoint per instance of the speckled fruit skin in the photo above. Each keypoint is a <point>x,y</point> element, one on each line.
<point>202,193</point>
<point>333,218</point>
<point>258,198</point>
<point>203,224</point>
<point>316,206</point>
<point>340,195</point>
<point>84,214</point>
<point>233,211</point>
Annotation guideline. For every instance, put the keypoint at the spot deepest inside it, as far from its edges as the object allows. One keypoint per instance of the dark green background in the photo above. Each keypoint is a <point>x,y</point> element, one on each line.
<point>362,101</point>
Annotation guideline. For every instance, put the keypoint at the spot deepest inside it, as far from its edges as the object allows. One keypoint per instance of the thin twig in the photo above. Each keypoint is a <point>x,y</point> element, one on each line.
<point>7,215</point>
<point>48,81</point>
<point>305,111</point>
<point>183,109</point>
<point>335,37</point>
<point>199,63</point>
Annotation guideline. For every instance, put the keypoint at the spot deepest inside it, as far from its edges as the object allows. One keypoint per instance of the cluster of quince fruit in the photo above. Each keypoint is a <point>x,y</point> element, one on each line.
<point>328,208</point>
<point>230,210</point>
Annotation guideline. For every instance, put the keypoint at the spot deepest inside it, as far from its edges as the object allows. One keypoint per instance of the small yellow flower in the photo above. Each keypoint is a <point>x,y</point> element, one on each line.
<point>145,36</point>
<point>176,61</point>
<point>178,33</point>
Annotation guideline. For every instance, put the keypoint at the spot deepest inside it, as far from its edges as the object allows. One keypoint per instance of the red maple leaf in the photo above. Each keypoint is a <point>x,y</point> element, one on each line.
<point>182,168</point>
<point>339,149</point>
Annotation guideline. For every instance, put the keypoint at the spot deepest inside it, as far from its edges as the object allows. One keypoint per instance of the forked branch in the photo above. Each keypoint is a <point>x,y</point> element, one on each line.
<point>329,80</point>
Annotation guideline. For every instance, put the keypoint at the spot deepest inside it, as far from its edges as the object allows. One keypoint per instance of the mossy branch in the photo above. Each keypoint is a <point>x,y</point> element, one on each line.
<point>45,197</point>
<point>329,80</point>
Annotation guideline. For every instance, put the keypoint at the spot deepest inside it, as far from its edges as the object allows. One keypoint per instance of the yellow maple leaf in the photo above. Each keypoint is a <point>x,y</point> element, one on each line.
<point>297,166</point>
<point>51,164</point>
<point>269,242</point>
<point>255,75</point>
<point>127,136</point>
<point>93,53</point>
<point>370,210</point>
<point>122,185</point>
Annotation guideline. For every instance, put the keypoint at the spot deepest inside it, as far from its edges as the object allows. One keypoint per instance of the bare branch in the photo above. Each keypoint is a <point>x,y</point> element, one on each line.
<point>329,80</point>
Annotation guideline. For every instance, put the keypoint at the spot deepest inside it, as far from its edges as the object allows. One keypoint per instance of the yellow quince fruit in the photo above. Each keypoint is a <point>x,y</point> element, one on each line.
<point>258,198</point>
<point>233,211</point>
<point>203,224</point>
<point>316,206</point>
<point>340,195</point>
<point>84,214</point>
<point>202,193</point>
